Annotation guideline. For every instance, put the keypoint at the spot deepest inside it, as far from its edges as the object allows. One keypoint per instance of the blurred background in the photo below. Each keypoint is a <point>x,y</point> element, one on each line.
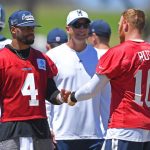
<point>53,13</point>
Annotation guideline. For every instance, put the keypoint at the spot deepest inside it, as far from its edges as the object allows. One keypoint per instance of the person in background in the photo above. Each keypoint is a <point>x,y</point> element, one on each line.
<point>99,37</point>
<point>127,67</point>
<point>26,81</point>
<point>55,38</point>
<point>3,40</point>
<point>79,127</point>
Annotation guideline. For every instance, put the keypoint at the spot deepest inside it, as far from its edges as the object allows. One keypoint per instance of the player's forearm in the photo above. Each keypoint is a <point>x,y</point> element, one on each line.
<point>92,88</point>
<point>53,94</point>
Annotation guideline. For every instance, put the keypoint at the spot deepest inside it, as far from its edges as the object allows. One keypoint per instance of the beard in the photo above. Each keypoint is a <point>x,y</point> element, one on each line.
<point>122,38</point>
<point>121,35</point>
<point>27,40</point>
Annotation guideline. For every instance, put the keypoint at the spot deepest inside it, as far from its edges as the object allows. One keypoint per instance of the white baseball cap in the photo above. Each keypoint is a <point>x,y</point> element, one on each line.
<point>75,15</point>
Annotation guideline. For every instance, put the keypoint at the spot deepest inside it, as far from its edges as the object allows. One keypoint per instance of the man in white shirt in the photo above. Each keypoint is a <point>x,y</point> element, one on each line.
<point>55,37</point>
<point>79,127</point>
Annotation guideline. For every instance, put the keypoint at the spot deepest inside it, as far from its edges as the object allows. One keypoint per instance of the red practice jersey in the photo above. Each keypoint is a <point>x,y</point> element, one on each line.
<point>23,85</point>
<point>128,68</point>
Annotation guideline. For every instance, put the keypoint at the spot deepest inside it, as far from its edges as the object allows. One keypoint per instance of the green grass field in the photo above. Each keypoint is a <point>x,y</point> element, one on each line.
<point>50,17</point>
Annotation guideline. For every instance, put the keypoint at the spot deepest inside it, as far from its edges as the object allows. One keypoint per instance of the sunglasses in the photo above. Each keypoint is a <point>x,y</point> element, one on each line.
<point>80,25</point>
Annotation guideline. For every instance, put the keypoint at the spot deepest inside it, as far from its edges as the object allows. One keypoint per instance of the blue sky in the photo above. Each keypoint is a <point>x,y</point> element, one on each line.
<point>111,5</point>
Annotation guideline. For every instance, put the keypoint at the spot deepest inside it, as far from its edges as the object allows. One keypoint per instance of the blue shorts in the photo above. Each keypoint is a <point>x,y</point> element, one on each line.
<point>86,144</point>
<point>115,144</point>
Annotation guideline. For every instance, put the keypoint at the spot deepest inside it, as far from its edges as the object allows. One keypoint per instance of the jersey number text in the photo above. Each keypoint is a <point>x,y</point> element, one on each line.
<point>138,84</point>
<point>29,89</point>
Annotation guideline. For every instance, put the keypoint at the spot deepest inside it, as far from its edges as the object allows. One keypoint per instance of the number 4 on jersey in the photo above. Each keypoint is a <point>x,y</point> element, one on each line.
<point>28,89</point>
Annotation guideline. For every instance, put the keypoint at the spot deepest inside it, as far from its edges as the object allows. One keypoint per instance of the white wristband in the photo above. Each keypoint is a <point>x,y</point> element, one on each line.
<point>59,99</point>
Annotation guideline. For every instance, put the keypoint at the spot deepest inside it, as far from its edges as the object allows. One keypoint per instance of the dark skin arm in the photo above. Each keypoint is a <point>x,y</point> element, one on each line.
<point>52,93</point>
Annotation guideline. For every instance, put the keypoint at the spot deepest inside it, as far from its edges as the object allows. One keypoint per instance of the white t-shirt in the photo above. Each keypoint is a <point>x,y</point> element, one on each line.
<point>87,119</point>
<point>4,41</point>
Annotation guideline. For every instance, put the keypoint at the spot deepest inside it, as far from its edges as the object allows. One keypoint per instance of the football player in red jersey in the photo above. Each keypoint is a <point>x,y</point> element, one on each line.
<point>127,67</point>
<point>26,81</point>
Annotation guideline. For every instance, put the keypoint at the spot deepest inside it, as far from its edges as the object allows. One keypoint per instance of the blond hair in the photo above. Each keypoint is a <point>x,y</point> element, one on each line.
<point>135,17</point>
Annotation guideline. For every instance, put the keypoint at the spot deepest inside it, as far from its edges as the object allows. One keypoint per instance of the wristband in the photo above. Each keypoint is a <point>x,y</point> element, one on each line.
<point>72,97</point>
<point>59,99</point>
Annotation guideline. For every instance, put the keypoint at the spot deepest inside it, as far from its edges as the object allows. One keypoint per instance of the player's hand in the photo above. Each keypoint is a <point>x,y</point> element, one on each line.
<point>65,94</point>
<point>54,142</point>
<point>53,137</point>
<point>71,103</point>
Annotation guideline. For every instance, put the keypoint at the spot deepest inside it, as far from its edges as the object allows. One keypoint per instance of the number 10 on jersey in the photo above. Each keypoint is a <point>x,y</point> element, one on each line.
<point>138,86</point>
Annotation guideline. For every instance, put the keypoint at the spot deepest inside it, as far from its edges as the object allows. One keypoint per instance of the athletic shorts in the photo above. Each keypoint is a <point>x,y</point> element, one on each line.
<point>26,143</point>
<point>116,144</point>
<point>83,144</point>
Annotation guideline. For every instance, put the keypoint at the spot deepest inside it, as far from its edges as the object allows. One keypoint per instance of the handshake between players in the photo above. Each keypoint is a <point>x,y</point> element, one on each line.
<point>67,97</point>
